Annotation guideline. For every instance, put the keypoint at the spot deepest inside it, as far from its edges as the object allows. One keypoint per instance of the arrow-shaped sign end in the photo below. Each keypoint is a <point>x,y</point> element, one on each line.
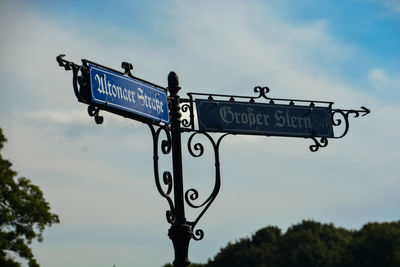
<point>366,111</point>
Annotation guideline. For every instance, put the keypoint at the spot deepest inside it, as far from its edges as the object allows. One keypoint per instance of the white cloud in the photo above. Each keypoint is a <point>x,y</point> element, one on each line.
<point>393,6</point>
<point>72,117</point>
<point>383,81</point>
<point>63,117</point>
<point>238,48</point>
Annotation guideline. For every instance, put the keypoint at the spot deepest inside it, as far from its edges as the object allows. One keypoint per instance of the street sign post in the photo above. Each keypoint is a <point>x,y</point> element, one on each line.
<point>103,88</point>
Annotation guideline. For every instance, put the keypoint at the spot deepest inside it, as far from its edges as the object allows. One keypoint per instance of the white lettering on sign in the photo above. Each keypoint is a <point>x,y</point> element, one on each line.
<point>285,120</point>
<point>107,88</point>
<point>149,102</point>
<point>250,118</point>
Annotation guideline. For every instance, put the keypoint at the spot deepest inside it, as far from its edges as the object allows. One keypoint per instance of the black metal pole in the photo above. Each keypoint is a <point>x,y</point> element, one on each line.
<point>180,232</point>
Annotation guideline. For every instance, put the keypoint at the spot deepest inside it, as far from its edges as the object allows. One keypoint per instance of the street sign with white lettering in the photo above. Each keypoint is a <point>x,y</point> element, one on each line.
<point>264,119</point>
<point>119,91</point>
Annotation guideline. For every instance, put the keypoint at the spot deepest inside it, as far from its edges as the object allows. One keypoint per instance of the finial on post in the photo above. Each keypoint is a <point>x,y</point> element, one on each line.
<point>173,83</point>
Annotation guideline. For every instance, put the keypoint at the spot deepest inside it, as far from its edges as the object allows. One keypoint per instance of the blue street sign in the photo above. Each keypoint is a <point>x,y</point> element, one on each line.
<point>264,119</point>
<point>125,93</point>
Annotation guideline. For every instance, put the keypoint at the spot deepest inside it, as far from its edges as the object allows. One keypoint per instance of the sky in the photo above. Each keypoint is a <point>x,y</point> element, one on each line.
<point>99,178</point>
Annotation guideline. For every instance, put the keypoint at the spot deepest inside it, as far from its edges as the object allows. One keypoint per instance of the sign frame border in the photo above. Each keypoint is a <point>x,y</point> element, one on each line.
<point>110,107</point>
<point>260,133</point>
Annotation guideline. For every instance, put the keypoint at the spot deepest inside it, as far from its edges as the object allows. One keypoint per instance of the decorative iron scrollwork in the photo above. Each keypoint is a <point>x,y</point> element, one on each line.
<point>186,123</point>
<point>345,113</point>
<point>166,146</point>
<point>80,79</point>
<point>81,85</point>
<point>323,142</point>
<point>188,113</point>
<point>196,149</point>
<point>262,91</point>
<point>127,68</point>
<point>94,112</point>
<point>191,195</point>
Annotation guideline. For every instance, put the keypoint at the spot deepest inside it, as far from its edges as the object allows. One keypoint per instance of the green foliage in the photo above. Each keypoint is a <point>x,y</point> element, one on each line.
<point>376,245</point>
<point>255,251</point>
<point>24,214</point>
<point>312,244</point>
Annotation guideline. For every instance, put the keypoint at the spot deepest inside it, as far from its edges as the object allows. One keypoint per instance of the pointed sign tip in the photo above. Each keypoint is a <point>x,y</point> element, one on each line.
<point>366,110</point>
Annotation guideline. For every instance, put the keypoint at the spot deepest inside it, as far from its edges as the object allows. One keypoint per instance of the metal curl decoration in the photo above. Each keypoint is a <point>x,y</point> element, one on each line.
<point>198,234</point>
<point>345,115</point>
<point>262,91</point>
<point>198,147</point>
<point>338,121</point>
<point>323,142</point>
<point>81,85</point>
<point>185,122</point>
<point>166,145</point>
<point>191,195</point>
<point>80,79</point>
<point>167,179</point>
<point>127,68</point>
<point>187,107</point>
<point>93,111</point>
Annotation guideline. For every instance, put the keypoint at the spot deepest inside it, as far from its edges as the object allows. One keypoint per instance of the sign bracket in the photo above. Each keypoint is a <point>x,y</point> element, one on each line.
<point>85,93</point>
<point>339,117</point>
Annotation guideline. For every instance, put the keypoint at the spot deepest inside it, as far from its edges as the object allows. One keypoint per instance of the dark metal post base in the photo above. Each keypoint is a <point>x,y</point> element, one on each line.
<point>180,234</point>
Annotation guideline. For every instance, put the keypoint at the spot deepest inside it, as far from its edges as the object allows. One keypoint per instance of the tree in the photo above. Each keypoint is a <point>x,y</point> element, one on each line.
<point>258,250</point>
<point>313,244</point>
<point>24,214</point>
<point>376,244</point>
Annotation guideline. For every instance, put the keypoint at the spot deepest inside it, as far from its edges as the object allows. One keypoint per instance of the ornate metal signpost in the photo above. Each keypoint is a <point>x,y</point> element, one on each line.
<point>121,93</point>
